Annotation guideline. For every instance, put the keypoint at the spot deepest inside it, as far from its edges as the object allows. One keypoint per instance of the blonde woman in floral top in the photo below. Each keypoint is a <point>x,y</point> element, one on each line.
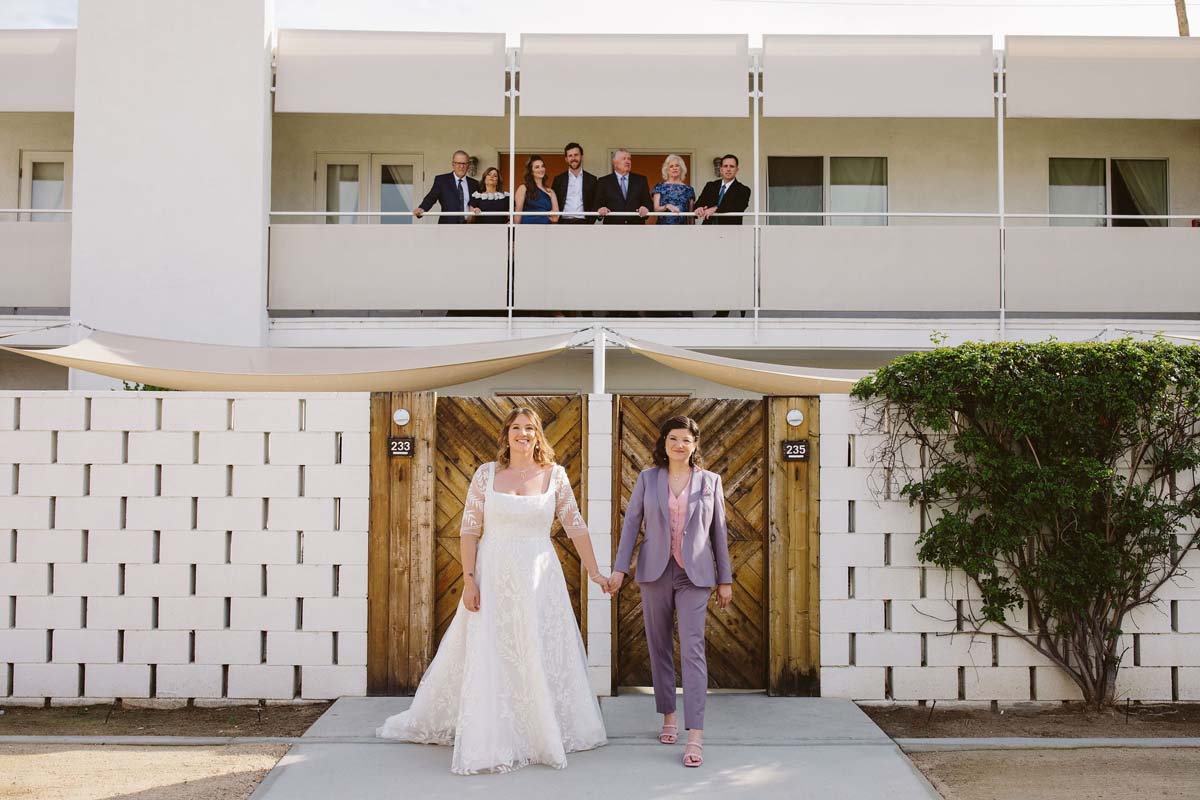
<point>673,194</point>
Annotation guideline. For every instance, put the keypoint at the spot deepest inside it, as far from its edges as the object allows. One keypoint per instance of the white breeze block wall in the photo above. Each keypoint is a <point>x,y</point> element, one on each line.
<point>183,545</point>
<point>889,626</point>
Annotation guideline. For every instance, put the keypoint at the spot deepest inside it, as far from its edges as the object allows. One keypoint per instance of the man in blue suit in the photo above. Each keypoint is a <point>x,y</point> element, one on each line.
<point>451,190</point>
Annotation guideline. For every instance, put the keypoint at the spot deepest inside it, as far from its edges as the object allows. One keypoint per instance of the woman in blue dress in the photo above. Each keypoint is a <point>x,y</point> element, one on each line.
<point>673,195</point>
<point>532,195</point>
<point>490,197</point>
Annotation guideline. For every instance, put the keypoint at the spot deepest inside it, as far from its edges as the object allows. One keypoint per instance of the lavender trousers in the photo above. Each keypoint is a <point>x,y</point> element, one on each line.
<point>674,595</point>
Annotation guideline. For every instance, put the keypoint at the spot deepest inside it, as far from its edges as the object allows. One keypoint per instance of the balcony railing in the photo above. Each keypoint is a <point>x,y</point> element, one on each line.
<point>36,258</point>
<point>983,267</point>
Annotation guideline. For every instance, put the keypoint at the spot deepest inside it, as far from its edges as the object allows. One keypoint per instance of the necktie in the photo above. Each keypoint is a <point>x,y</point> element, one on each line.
<point>624,187</point>
<point>462,195</point>
<point>721,194</point>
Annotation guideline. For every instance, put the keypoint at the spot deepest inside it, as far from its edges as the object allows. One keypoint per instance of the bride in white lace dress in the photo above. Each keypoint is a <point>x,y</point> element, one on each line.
<point>509,686</point>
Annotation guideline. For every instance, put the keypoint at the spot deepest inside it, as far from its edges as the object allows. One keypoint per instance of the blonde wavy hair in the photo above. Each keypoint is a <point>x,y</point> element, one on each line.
<point>543,453</point>
<point>674,159</point>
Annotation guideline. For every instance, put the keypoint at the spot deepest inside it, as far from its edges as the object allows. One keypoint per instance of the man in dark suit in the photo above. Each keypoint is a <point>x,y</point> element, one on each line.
<point>451,190</point>
<point>575,188</point>
<point>621,190</point>
<point>727,195</point>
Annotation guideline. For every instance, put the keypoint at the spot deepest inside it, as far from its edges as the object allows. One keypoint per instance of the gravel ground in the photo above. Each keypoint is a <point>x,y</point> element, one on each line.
<point>1094,774</point>
<point>95,772</point>
<point>124,720</point>
<point>1072,721</point>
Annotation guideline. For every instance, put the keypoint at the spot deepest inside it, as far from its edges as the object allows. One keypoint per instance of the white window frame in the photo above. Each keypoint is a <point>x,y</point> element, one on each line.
<point>378,160</point>
<point>25,190</point>
<point>1108,221</point>
<point>826,186</point>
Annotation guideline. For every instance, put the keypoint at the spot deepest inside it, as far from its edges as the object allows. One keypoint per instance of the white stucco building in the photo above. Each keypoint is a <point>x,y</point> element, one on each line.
<point>186,171</point>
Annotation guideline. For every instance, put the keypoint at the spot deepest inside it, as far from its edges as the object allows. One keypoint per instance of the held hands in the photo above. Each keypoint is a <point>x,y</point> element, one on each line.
<point>614,582</point>
<point>602,581</point>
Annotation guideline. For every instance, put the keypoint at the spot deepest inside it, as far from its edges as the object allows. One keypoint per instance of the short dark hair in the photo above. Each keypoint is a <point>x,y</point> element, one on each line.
<point>573,146</point>
<point>678,423</point>
<point>730,155</point>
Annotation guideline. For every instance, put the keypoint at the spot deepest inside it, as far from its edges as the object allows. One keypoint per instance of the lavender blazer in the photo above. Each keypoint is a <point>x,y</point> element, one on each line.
<point>705,538</point>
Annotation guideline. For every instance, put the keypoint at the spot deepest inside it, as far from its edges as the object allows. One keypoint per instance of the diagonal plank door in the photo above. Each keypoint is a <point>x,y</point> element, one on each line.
<point>733,445</point>
<point>467,430</point>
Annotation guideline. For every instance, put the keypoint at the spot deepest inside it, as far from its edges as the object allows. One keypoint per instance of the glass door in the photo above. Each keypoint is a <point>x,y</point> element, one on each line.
<point>45,184</point>
<point>342,187</point>
<point>395,183</point>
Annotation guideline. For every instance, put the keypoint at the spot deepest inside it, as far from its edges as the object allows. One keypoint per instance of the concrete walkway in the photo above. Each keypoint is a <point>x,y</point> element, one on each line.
<point>760,747</point>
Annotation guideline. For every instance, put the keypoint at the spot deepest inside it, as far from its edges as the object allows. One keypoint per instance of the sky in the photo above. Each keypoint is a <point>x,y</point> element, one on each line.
<point>754,17</point>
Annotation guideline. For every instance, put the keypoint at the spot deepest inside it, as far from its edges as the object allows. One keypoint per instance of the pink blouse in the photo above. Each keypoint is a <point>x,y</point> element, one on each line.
<point>565,506</point>
<point>678,505</point>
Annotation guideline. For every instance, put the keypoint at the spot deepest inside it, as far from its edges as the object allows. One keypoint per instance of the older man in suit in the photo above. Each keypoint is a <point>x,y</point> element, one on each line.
<point>727,195</point>
<point>451,190</point>
<point>621,190</point>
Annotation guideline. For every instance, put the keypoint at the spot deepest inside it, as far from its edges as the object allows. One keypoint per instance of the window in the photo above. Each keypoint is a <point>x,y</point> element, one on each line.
<point>797,184</point>
<point>1077,186</point>
<point>393,186</point>
<point>361,182</point>
<point>858,184</point>
<point>1130,186</point>
<point>45,184</point>
<point>1139,187</point>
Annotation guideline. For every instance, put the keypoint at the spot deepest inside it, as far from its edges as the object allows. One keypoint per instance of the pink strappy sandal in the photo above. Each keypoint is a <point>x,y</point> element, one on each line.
<point>692,759</point>
<point>668,736</point>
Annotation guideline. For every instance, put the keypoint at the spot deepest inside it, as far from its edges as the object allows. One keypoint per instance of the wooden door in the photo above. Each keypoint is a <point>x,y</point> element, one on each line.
<point>400,545</point>
<point>733,445</point>
<point>467,430</point>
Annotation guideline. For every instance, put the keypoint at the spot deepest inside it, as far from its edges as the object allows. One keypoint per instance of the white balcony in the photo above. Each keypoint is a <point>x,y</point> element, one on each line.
<point>634,268</point>
<point>1103,270</point>
<point>901,268</point>
<point>896,270</point>
<point>36,265</point>
<point>388,267</point>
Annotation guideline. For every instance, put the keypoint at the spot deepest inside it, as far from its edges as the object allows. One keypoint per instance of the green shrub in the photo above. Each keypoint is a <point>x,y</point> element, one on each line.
<point>1059,477</point>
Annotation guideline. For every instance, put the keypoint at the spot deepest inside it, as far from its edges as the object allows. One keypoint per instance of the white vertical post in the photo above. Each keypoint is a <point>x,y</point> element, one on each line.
<point>755,71</point>
<point>512,166</point>
<point>1000,93</point>
<point>598,344</point>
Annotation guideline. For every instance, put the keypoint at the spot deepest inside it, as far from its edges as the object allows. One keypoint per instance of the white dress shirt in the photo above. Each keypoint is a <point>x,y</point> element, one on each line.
<point>573,208</point>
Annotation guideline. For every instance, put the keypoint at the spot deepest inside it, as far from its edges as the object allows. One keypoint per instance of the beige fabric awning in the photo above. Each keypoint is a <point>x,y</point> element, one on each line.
<point>208,367</point>
<point>753,376</point>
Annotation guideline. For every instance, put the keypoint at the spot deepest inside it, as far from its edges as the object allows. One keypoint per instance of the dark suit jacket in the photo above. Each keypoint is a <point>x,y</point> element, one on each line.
<point>589,191</point>
<point>608,195</point>
<point>445,193</point>
<point>736,199</point>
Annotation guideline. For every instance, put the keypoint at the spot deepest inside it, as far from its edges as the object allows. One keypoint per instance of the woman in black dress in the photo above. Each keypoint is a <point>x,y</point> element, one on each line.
<point>490,197</point>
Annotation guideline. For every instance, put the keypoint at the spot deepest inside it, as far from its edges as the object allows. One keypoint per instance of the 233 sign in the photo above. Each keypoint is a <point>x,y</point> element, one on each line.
<point>400,446</point>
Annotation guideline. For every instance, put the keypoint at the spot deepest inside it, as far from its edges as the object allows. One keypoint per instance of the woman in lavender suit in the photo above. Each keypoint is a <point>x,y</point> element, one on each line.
<point>685,553</point>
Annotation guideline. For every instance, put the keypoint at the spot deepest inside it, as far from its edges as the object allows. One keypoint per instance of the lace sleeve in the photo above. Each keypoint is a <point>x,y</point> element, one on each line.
<point>472,516</point>
<point>565,506</point>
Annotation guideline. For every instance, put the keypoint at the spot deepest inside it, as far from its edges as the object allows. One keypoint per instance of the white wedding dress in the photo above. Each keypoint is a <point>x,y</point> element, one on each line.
<point>509,686</point>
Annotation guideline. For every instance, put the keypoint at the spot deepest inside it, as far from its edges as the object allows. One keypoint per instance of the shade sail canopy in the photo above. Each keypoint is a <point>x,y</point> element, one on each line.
<point>389,72</point>
<point>1116,77</point>
<point>635,75</point>
<point>878,76</point>
<point>753,376</point>
<point>208,367</point>
<point>40,65</point>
